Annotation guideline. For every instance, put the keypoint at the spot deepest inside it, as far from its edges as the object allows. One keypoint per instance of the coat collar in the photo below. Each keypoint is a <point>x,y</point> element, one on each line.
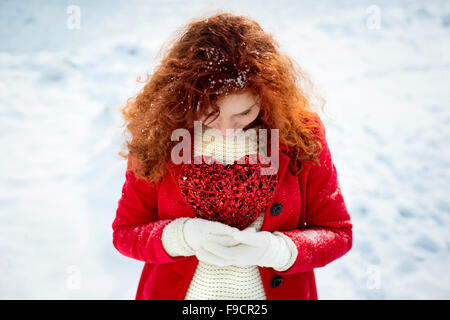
<point>282,158</point>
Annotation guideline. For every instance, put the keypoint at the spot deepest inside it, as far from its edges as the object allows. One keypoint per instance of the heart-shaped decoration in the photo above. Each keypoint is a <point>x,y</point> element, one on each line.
<point>234,194</point>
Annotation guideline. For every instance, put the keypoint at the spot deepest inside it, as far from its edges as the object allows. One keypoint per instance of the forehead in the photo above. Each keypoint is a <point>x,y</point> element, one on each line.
<point>236,102</point>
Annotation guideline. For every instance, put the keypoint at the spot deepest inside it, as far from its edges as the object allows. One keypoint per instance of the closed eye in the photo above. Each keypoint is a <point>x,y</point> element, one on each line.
<point>248,110</point>
<point>245,113</point>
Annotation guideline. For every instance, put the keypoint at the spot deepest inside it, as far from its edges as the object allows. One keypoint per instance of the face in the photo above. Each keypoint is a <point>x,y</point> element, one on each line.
<point>236,112</point>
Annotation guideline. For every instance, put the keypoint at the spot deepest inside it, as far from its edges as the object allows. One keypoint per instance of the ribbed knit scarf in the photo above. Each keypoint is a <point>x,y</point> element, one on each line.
<point>234,193</point>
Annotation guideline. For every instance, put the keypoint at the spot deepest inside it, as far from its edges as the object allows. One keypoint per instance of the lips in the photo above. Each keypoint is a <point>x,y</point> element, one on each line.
<point>234,194</point>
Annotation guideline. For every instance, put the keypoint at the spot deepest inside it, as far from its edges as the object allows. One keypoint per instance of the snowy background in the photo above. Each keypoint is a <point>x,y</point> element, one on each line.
<point>382,66</point>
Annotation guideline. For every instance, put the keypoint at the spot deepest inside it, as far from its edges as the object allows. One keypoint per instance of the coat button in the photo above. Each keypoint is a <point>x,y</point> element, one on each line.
<point>276,281</point>
<point>276,209</point>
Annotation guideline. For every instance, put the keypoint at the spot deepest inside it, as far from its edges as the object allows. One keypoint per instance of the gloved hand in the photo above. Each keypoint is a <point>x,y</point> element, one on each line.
<point>261,248</point>
<point>197,233</point>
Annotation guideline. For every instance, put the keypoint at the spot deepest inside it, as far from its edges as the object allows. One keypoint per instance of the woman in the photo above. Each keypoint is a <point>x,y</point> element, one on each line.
<point>207,222</point>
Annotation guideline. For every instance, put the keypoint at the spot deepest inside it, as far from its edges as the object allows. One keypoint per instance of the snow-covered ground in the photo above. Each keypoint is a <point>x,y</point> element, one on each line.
<point>386,82</point>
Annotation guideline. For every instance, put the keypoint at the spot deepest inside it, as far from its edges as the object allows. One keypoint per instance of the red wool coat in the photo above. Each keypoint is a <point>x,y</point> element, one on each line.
<point>309,208</point>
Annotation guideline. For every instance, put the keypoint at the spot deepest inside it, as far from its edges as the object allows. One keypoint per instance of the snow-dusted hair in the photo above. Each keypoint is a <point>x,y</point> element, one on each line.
<point>208,58</point>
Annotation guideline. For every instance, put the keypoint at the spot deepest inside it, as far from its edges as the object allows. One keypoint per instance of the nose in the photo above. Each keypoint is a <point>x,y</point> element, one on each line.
<point>224,125</point>
<point>227,131</point>
<point>230,132</point>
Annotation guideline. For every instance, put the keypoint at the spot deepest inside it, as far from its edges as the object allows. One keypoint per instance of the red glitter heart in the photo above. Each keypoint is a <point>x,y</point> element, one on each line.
<point>234,194</point>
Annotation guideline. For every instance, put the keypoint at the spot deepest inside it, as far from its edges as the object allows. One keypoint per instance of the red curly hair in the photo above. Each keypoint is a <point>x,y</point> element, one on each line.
<point>210,57</point>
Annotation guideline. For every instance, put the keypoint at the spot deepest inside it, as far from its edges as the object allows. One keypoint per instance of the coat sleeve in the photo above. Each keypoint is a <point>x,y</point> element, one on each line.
<point>136,228</point>
<point>328,233</point>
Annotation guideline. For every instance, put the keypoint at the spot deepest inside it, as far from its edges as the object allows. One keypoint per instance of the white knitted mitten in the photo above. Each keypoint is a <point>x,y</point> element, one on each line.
<point>186,236</point>
<point>173,239</point>
<point>261,248</point>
